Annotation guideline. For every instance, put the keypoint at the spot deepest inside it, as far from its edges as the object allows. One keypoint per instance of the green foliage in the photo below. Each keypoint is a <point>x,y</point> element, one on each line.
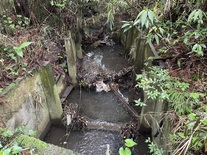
<point>139,103</point>
<point>196,16</point>
<point>111,7</point>
<point>12,147</point>
<point>8,23</point>
<point>32,133</point>
<point>7,133</point>
<point>146,18</point>
<point>60,4</point>
<point>193,136</point>
<point>127,25</point>
<point>82,83</point>
<point>110,19</point>
<point>146,21</point>
<point>124,151</point>
<point>12,150</point>
<point>19,49</point>
<point>195,38</point>
<point>127,145</point>
<point>198,49</point>
<point>153,147</point>
<point>158,85</point>
<point>155,33</point>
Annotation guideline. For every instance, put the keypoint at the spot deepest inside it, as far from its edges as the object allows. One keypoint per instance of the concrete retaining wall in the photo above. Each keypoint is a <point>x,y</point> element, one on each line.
<point>32,102</point>
<point>152,114</point>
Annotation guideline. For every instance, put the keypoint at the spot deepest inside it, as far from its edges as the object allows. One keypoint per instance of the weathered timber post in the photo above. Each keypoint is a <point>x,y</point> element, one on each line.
<point>79,40</point>
<point>71,58</point>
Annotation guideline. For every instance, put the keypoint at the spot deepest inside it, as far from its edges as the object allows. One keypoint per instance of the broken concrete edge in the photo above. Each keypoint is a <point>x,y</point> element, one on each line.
<point>41,147</point>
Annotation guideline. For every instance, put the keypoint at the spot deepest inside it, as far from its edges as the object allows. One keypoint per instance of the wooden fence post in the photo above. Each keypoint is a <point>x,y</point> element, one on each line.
<point>71,58</point>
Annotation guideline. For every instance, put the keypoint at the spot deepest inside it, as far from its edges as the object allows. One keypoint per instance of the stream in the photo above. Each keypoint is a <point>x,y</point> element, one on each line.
<point>102,108</point>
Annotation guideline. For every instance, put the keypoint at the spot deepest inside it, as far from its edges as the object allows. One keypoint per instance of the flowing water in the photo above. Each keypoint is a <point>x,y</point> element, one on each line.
<point>101,107</point>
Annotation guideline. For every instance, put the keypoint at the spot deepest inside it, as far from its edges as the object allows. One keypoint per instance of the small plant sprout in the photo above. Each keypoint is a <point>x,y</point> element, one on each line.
<point>19,49</point>
<point>153,147</point>
<point>127,145</point>
<point>198,49</point>
<point>139,103</point>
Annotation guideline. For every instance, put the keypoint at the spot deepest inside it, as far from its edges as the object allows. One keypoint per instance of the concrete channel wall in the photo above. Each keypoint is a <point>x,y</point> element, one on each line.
<point>152,114</point>
<point>33,102</point>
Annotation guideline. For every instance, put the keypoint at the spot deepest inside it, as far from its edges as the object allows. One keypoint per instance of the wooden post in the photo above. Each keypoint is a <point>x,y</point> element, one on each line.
<point>79,40</point>
<point>71,58</point>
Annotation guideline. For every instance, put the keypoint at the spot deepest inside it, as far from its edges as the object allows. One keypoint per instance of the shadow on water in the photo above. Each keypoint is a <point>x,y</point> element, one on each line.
<point>99,107</point>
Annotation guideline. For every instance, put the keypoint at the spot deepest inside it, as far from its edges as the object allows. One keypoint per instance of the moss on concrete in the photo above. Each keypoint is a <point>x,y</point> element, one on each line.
<point>31,142</point>
<point>42,147</point>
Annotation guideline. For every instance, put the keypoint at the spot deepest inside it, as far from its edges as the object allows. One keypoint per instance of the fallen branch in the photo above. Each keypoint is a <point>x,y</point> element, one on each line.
<point>124,101</point>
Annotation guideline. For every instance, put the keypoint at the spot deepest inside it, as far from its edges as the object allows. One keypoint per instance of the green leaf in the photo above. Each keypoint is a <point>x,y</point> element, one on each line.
<point>195,18</point>
<point>151,16</point>
<point>202,45</point>
<point>147,24</point>
<point>191,116</point>
<point>24,44</point>
<point>31,133</point>
<point>190,17</point>
<point>7,151</point>
<point>136,22</point>
<point>130,143</point>
<point>196,124</point>
<point>139,103</point>
<point>181,134</point>
<point>125,25</point>
<point>140,14</point>
<point>16,149</point>
<point>200,14</point>
<point>125,151</point>
<point>157,39</point>
<point>194,95</point>
<point>20,129</point>
<point>143,18</point>
<point>204,122</point>
<point>197,48</point>
<point>7,133</point>
<point>20,53</point>
<point>161,30</point>
<point>127,29</point>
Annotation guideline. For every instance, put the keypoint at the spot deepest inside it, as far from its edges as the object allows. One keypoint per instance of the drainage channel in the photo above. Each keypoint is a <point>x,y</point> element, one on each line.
<point>103,112</point>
